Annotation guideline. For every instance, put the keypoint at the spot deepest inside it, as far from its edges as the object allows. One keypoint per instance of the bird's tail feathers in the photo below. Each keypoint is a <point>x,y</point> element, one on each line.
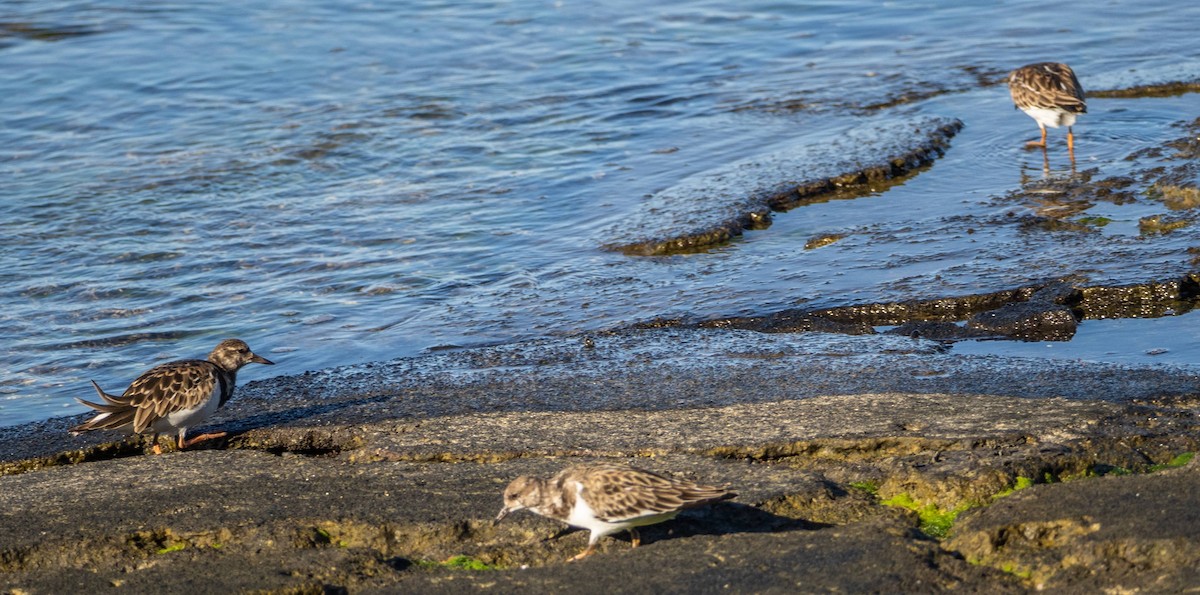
<point>114,413</point>
<point>699,495</point>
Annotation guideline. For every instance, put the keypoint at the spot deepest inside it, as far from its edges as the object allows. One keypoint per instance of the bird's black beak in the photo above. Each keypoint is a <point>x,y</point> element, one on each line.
<point>500,517</point>
<point>258,359</point>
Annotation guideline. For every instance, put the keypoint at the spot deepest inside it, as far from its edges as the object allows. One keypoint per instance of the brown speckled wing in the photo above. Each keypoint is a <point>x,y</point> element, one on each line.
<point>617,493</point>
<point>1048,85</point>
<point>168,388</point>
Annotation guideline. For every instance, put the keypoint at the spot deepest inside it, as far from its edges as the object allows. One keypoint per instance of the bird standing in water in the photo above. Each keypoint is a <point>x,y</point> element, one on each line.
<point>1050,94</point>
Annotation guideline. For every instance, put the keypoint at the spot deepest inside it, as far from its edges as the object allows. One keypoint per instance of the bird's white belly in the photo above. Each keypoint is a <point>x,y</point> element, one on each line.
<point>583,516</point>
<point>1051,117</point>
<point>187,418</point>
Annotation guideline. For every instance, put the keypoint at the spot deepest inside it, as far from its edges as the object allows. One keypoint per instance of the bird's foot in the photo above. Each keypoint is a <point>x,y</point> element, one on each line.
<point>201,438</point>
<point>591,549</point>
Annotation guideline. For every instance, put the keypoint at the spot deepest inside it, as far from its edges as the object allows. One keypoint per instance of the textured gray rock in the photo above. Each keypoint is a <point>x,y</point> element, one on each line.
<point>384,477</point>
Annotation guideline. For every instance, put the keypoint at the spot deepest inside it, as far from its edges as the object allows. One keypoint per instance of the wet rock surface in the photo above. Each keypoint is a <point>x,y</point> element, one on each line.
<point>845,452</point>
<point>714,207</point>
<point>1164,89</point>
<point>1030,321</point>
<point>1045,311</point>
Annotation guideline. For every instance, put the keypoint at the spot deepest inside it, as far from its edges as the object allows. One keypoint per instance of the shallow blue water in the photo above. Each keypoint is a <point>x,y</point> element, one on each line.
<point>337,182</point>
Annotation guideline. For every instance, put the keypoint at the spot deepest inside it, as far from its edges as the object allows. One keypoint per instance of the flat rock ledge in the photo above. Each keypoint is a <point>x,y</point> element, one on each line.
<point>862,464</point>
<point>1048,310</point>
<point>714,207</point>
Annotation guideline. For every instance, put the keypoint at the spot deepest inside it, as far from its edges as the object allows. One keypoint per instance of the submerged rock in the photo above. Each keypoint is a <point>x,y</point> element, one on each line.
<point>714,207</point>
<point>1028,321</point>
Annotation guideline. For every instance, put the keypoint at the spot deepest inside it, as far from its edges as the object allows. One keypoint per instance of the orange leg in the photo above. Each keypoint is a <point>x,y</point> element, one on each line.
<point>1071,143</point>
<point>591,549</point>
<point>199,439</point>
<point>1036,143</point>
<point>635,539</point>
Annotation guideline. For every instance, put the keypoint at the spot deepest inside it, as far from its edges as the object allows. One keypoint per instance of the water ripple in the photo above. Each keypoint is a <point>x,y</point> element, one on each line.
<point>348,182</point>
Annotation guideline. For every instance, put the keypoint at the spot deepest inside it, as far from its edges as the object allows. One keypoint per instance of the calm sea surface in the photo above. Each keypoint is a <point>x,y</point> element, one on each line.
<point>337,182</point>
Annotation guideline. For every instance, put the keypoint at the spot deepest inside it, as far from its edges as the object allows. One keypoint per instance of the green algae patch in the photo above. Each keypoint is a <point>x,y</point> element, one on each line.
<point>1017,571</point>
<point>935,521</point>
<point>1095,221</point>
<point>461,563</point>
<point>330,534</point>
<point>1020,483</point>
<point>469,563</point>
<point>322,536</point>
<point>165,540</point>
<point>868,487</point>
<point>1176,461</point>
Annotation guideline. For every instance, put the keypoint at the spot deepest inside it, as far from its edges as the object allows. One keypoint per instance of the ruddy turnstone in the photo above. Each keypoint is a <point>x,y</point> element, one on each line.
<point>1051,95</point>
<point>606,499</point>
<point>174,396</point>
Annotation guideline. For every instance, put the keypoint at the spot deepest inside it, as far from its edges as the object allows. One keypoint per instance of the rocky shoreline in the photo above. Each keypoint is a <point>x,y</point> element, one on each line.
<point>862,463</point>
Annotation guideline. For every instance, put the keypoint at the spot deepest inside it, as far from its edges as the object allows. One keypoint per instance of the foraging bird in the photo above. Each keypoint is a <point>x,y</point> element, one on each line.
<point>606,499</point>
<point>174,396</point>
<point>1051,95</point>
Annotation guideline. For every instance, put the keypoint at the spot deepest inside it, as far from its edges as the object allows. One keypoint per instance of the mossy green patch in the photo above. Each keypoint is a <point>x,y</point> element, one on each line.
<point>869,487</point>
<point>1097,470</point>
<point>174,547</point>
<point>1020,483</point>
<point>468,563</point>
<point>1095,221</point>
<point>323,537</point>
<point>1102,470</point>
<point>935,521</point>
<point>1176,461</point>
<point>1016,571</point>
<point>460,562</point>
